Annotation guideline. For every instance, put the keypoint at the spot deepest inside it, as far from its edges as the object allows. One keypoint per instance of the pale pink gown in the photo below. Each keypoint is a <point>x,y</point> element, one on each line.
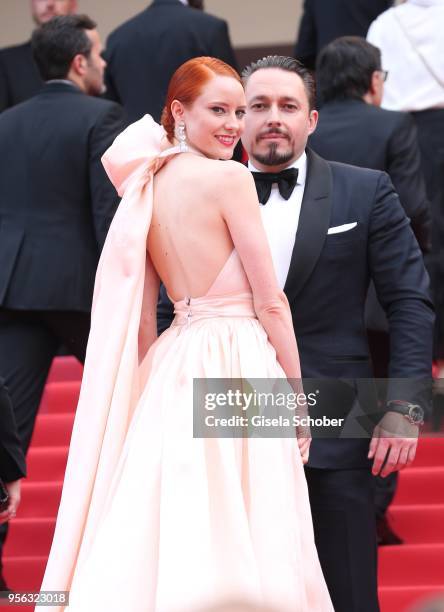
<point>152,519</point>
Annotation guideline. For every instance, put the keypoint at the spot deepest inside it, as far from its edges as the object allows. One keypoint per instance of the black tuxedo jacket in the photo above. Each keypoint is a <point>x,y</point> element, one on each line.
<point>353,132</point>
<point>144,52</point>
<point>327,285</point>
<point>19,75</point>
<point>56,202</point>
<point>325,20</point>
<point>12,459</point>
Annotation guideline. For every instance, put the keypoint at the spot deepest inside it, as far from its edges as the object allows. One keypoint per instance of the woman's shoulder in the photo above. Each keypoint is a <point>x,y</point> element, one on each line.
<point>225,173</point>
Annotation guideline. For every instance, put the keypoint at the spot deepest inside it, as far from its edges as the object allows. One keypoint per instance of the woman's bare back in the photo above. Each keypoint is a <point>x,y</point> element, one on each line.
<point>188,241</point>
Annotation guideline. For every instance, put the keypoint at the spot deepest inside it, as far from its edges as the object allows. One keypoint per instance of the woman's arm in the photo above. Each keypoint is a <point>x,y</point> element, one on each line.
<point>240,210</point>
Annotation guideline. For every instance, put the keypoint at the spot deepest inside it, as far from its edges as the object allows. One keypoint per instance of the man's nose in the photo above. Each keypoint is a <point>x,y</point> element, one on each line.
<point>274,115</point>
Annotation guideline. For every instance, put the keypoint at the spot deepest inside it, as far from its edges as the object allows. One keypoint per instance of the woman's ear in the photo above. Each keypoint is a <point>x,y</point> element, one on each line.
<point>177,110</point>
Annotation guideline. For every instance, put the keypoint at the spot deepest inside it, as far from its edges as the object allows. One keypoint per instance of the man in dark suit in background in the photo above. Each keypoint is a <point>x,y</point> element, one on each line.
<point>12,459</point>
<point>325,20</point>
<point>326,238</point>
<point>144,52</point>
<point>12,462</point>
<point>353,129</point>
<point>19,75</point>
<point>56,204</point>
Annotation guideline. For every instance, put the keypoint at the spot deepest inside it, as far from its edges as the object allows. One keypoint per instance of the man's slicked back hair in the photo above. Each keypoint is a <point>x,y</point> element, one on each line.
<point>288,64</point>
<point>57,42</point>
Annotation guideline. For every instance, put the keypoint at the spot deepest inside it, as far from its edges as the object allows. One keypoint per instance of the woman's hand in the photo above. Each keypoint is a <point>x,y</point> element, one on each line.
<point>304,441</point>
<point>13,489</point>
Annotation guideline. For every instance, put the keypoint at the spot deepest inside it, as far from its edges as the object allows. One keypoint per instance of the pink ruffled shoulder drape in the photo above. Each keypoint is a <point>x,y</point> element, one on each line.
<point>110,385</point>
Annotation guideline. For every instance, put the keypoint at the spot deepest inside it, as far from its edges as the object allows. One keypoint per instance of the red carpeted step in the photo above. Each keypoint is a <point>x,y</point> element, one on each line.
<point>64,369</point>
<point>53,429</point>
<point>24,573</point>
<point>47,463</point>
<point>40,499</point>
<point>418,524</point>
<point>420,485</point>
<point>430,452</point>
<point>29,537</point>
<point>400,599</point>
<point>60,397</point>
<point>411,565</point>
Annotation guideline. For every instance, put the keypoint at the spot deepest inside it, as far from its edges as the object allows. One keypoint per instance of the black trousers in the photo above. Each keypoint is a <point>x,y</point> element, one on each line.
<point>379,344</point>
<point>29,341</point>
<point>342,505</point>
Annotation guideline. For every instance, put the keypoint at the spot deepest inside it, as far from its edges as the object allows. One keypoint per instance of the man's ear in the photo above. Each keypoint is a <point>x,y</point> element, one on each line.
<point>313,121</point>
<point>79,64</point>
<point>373,88</point>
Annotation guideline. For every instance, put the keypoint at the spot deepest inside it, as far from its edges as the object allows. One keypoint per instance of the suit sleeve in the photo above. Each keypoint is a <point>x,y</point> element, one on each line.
<point>165,311</point>
<point>103,195</point>
<point>12,459</point>
<point>402,287</point>
<point>111,92</point>
<point>221,45</point>
<point>4,100</point>
<point>306,44</point>
<point>404,168</point>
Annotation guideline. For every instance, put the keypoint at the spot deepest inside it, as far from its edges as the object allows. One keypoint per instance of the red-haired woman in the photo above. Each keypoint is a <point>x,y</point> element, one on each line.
<point>152,518</point>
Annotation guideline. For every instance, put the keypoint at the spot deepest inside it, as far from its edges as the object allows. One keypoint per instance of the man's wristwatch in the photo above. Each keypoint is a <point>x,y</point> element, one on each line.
<point>412,412</point>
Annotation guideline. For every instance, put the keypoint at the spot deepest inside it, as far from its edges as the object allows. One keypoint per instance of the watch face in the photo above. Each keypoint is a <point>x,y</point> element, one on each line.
<point>416,413</point>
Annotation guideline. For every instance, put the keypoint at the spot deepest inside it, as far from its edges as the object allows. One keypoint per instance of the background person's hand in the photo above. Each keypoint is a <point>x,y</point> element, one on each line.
<point>393,445</point>
<point>13,489</point>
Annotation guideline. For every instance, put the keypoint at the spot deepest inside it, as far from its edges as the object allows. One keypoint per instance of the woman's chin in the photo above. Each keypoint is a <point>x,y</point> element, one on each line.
<point>226,153</point>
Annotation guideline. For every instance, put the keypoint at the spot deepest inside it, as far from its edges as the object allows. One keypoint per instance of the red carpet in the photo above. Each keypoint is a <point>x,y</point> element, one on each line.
<point>408,573</point>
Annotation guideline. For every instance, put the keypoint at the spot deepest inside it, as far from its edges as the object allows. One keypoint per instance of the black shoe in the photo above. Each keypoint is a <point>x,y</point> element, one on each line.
<point>386,535</point>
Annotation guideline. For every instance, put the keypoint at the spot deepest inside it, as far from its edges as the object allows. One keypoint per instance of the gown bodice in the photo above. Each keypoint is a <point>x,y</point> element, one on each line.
<point>229,296</point>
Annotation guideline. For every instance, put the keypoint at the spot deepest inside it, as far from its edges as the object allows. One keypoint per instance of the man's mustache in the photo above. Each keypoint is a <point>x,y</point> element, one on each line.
<point>273,132</point>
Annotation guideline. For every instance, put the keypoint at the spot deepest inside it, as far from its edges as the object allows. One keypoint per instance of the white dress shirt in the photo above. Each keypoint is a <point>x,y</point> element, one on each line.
<point>411,40</point>
<point>281,219</point>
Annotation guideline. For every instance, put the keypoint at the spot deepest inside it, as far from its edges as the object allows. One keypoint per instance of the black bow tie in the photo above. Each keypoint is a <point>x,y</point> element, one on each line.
<point>286,181</point>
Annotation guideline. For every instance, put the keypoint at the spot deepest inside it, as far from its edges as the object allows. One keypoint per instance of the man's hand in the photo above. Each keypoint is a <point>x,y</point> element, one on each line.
<point>393,444</point>
<point>13,489</point>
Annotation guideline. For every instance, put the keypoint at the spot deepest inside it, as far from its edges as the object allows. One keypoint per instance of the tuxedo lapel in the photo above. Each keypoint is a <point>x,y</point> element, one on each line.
<point>313,224</point>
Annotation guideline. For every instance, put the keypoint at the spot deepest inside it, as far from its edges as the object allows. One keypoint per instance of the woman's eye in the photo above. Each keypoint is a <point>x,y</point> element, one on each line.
<point>218,110</point>
<point>240,114</point>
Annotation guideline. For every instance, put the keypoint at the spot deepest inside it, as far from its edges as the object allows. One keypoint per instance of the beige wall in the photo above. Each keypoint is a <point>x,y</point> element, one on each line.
<point>252,22</point>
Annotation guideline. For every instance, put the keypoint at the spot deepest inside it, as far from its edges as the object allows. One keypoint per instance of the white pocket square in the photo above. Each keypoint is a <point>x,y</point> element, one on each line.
<point>342,228</point>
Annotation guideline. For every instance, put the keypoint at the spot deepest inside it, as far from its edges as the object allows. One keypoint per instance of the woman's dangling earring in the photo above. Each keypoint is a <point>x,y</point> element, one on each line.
<point>182,137</point>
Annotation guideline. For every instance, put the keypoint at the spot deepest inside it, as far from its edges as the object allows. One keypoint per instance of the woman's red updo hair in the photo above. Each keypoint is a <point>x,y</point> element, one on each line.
<point>187,83</point>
